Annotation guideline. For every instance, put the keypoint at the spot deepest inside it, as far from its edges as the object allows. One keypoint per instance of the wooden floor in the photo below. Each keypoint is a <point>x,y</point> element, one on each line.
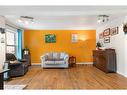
<point>79,77</point>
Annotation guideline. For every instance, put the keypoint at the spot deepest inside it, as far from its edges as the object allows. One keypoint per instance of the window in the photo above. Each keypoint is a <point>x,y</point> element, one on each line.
<point>11,44</point>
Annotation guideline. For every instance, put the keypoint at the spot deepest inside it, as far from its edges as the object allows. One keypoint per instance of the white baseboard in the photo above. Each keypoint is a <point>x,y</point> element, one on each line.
<point>122,74</point>
<point>76,63</point>
<point>84,63</point>
<point>36,64</point>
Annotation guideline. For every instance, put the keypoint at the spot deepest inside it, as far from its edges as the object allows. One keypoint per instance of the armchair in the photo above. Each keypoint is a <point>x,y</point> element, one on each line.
<point>17,67</point>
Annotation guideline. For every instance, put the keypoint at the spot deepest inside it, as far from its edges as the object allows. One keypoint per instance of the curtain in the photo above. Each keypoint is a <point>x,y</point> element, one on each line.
<point>19,44</point>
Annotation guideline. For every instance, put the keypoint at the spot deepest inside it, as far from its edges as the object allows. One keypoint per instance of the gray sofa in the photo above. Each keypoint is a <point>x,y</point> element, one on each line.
<point>55,60</point>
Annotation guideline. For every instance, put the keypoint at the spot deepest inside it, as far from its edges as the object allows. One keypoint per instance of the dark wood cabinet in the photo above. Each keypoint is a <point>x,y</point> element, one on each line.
<point>105,60</point>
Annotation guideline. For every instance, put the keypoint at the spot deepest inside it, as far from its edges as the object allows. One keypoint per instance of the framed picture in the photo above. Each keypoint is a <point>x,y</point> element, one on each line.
<point>106,32</point>
<point>50,38</point>
<point>74,38</point>
<point>101,36</point>
<point>114,31</point>
<point>107,40</point>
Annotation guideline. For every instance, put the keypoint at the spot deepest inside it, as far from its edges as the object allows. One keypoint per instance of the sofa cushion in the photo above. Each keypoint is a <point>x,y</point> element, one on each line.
<point>62,55</point>
<point>49,62</point>
<point>56,56</point>
<point>50,59</point>
<point>46,57</point>
<point>49,56</point>
<point>59,62</point>
<point>10,57</point>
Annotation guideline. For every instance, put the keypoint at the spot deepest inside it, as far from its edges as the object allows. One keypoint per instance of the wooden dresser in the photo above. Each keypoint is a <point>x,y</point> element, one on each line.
<point>105,60</point>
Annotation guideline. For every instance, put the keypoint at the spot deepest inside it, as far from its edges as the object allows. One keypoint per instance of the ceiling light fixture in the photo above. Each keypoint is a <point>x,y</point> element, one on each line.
<point>26,19</point>
<point>103,18</point>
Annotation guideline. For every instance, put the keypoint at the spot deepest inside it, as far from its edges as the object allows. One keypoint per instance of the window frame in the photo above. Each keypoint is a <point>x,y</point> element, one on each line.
<point>15,38</point>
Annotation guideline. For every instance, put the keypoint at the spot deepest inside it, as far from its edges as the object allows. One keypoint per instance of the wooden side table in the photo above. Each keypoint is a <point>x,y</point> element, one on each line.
<point>28,58</point>
<point>72,61</point>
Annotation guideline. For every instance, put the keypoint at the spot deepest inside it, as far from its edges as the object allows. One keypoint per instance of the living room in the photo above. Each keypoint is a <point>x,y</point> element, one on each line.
<point>61,43</point>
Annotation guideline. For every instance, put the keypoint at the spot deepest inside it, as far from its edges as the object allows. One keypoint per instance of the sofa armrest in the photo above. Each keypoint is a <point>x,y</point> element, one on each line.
<point>22,60</point>
<point>66,57</point>
<point>43,58</point>
<point>15,64</point>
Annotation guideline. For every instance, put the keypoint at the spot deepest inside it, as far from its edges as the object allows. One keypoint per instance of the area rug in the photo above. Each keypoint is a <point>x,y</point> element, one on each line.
<point>14,87</point>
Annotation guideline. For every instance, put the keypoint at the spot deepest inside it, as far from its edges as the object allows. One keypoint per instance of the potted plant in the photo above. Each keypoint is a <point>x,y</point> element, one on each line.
<point>26,50</point>
<point>125,28</point>
<point>98,45</point>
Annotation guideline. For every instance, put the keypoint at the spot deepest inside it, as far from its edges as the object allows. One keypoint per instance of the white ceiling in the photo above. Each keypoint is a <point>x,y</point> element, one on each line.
<point>61,17</point>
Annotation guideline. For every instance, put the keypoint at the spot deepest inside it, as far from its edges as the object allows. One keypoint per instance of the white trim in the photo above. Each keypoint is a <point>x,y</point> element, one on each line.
<point>84,63</point>
<point>125,75</point>
<point>76,63</point>
<point>11,25</point>
<point>36,64</point>
<point>122,74</point>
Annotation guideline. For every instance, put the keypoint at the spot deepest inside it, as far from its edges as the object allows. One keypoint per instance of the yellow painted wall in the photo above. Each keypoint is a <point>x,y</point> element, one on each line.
<point>34,40</point>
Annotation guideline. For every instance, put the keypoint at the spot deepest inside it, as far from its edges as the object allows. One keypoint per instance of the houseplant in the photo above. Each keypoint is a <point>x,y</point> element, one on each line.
<point>98,45</point>
<point>125,28</point>
<point>26,51</point>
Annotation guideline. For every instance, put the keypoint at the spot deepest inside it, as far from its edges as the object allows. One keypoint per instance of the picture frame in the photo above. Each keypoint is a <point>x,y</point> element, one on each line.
<point>50,38</point>
<point>101,35</point>
<point>107,40</point>
<point>74,38</point>
<point>106,32</point>
<point>114,31</point>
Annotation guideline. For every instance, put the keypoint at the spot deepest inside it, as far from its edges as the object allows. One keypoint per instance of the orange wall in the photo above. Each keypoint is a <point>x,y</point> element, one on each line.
<point>34,40</point>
